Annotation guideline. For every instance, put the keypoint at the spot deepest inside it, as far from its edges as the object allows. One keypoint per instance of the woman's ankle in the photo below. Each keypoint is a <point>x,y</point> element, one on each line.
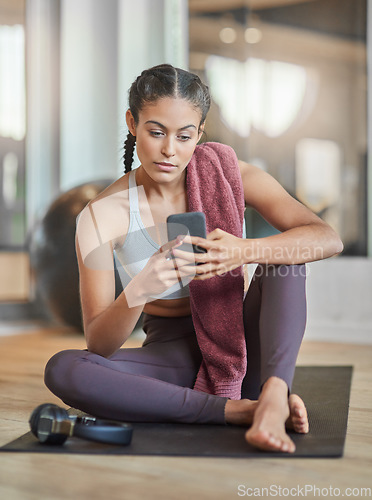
<point>240,412</point>
<point>276,384</point>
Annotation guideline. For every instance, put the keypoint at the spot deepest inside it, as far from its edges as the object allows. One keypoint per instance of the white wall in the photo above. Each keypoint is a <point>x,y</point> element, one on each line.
<point>89,79</point>
<point>339,294</point>
<point>369,177</point>
<point>42,129</point>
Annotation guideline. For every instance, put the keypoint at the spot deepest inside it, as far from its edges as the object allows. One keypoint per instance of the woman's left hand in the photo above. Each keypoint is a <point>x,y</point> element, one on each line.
<point>225,252</point>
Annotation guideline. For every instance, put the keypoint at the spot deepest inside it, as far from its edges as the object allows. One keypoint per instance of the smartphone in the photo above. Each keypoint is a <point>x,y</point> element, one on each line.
<point>192,223</point>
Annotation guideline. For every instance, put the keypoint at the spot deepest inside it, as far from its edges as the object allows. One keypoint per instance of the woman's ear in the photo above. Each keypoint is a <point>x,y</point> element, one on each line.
<point>130,122</point>
<point>201,130</point>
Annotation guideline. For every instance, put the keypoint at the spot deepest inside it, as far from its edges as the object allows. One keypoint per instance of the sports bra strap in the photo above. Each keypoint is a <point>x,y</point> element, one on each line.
<point>133,192</point>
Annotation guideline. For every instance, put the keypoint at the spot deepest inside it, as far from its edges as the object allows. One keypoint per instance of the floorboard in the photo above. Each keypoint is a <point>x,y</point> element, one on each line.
<point>43,477</point>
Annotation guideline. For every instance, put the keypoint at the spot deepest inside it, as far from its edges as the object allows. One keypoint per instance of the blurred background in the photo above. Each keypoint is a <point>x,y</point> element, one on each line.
<point>289,82</point>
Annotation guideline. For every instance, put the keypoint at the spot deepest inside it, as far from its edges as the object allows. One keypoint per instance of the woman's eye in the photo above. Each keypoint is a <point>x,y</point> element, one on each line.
<point>159,133</point>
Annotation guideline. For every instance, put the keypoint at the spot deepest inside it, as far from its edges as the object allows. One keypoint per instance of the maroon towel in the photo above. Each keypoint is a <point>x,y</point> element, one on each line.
<point>214,186</point>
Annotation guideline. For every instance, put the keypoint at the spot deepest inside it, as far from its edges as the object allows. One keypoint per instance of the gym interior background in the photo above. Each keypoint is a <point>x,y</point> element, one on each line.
<point>290,88</point>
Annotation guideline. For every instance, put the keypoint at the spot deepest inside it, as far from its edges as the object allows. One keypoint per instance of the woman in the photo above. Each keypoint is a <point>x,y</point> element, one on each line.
<point>166,118</point>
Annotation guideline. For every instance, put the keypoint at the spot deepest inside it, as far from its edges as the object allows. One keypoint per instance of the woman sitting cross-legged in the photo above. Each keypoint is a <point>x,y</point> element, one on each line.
<point>213,353</point>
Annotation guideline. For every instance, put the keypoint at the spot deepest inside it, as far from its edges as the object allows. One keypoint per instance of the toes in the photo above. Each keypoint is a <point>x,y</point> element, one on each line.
<point>298,414</point>
<point>268,442</point>
<point>261,439</point>
<point>300,425</point>
<point>286,448</point>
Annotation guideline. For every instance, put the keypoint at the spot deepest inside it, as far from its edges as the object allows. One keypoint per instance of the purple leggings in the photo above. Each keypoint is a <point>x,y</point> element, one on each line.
<point>153,383</point>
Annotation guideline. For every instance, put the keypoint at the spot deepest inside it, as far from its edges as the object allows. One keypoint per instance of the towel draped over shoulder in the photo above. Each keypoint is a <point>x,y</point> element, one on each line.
<point>214,186</point>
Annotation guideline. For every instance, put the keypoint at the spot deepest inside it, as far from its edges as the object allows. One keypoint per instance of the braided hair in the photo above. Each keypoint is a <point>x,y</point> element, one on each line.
<point>159,82</point>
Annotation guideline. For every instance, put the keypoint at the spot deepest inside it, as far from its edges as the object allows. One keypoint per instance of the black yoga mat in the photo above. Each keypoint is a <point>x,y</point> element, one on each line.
<point>324,389</point>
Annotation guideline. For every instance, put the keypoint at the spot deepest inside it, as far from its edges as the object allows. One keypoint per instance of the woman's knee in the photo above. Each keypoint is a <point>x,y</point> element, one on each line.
<point>58,370</point>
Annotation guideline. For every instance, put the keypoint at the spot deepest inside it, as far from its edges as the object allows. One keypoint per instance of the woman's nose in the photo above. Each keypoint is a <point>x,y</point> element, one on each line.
<point>168,148</point>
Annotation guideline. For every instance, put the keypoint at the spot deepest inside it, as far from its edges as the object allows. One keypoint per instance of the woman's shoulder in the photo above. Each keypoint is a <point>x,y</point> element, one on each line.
<point>216,147</point>
<point>115,192</point>
<point>217,157</point>
<point>217,153</point>
<point>224,149</point>
<point>111,198</point>
<point>106,216</point>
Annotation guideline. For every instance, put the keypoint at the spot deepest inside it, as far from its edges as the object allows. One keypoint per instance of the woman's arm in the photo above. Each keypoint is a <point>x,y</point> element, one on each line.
<point>304,237</point>
<point>108,322</point>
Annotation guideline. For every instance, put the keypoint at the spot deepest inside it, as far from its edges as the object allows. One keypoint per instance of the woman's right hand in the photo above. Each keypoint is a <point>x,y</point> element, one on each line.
<point>161,272</point>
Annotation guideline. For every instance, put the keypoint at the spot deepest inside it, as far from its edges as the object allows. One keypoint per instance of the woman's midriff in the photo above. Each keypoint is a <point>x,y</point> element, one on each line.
<point>169,308</point>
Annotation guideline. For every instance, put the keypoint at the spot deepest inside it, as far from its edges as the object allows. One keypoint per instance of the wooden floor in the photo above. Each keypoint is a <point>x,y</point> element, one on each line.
<point>37,476</point>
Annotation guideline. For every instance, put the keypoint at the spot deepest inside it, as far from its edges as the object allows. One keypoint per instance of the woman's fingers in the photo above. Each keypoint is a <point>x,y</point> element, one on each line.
<point>185,266</point>
<point>197,241</point>
<point>170,245</point>
<point>206,271</point>
<point>223,254</point>
<point>214,255</point>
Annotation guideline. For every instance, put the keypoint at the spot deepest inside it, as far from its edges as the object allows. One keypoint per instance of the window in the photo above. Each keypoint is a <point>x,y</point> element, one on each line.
<point>289,88</point>
<point>12,134</point>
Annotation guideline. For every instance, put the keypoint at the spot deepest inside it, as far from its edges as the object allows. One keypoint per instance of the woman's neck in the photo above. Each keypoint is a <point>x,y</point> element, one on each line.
<point>169,192</point>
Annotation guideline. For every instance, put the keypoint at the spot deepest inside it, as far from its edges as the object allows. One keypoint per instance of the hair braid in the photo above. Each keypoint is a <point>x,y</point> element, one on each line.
<point>129,145</point>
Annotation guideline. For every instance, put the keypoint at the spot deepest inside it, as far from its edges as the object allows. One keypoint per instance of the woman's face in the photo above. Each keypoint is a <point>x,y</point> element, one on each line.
<point>166,135</point>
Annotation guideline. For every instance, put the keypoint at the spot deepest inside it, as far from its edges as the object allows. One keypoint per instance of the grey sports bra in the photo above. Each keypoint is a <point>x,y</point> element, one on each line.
<point>138,247</point>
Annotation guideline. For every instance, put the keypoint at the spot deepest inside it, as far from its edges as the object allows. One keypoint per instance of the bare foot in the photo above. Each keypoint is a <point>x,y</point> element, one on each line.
<point>241,412</point>
<point>297,420</point>
<point>272,411</point>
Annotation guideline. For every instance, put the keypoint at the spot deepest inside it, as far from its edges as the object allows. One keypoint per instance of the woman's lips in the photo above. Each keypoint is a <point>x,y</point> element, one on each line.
<point>165,167</point>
